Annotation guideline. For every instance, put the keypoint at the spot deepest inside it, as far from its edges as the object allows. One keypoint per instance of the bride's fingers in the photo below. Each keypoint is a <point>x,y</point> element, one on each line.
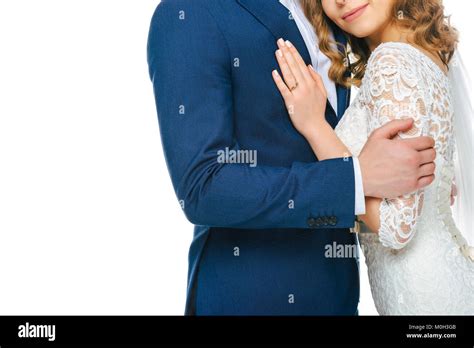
<point>281,85</point>
<point>427,169</point>
<point>295,69</point>
<point>318,79</point>
<point>299,60</point>
<point>288,76</point>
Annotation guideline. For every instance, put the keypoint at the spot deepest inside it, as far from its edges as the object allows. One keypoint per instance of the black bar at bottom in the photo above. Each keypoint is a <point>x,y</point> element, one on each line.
<point>135,330</point>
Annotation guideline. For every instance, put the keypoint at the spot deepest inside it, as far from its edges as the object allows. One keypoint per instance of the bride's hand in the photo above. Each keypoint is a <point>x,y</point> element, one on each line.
<point>302,89</point>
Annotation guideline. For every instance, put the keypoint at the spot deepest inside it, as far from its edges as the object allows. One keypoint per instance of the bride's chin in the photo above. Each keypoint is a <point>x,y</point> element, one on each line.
<point>360,36</point>
<point>357,35</point>
<point>362,32</point>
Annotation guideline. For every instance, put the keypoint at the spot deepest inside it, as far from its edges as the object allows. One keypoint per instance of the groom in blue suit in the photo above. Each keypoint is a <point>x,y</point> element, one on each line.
<point>262,227</point>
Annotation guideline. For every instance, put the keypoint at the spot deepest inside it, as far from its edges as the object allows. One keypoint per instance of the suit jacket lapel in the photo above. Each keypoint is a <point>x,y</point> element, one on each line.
<point>276,18</point>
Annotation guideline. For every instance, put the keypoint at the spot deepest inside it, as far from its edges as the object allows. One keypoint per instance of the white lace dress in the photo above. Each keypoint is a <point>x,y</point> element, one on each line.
<point>418,263</point>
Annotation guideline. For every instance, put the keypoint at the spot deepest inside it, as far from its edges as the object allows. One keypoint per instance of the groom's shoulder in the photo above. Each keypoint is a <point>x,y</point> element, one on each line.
<point>181,6</point>
<point>181,12</point>
<point>176,23</point>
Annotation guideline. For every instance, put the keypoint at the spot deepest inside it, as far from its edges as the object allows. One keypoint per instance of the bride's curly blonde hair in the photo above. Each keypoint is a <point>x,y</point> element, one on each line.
<point>424,18</point>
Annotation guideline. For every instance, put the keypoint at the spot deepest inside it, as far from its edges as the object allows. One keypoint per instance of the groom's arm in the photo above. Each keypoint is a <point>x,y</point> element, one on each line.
<point>190,67</point>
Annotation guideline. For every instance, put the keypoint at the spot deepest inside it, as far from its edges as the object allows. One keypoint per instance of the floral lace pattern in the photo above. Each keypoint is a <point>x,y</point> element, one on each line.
<point>395,92</point>
<point>417,262</point>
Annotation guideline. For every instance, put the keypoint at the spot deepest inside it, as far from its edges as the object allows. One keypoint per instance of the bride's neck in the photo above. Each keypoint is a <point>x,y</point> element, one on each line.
<point>389,33</point>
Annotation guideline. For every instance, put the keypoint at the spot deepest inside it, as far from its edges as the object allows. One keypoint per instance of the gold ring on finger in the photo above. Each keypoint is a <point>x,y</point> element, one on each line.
<point>294,87</point>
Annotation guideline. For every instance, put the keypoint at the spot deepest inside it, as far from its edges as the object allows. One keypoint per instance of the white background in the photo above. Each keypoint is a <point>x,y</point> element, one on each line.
<point>89,223</point>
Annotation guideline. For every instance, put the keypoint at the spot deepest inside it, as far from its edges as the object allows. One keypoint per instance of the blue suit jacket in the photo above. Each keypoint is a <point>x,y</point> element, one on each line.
<point>261,233</point>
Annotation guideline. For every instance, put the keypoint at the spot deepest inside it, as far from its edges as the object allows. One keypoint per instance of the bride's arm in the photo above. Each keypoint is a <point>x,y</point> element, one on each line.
<point>306,104</point>
<point>326,144</point>
<point>305,98</point>
<point>396,90</point>
<point>396,93</point>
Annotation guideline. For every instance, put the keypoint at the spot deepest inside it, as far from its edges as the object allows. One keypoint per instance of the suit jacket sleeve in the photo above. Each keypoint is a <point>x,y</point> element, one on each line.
<point>191,70</point>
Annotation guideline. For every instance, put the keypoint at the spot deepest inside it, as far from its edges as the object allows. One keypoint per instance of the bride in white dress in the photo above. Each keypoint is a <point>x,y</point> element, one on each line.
<point>418,260</point>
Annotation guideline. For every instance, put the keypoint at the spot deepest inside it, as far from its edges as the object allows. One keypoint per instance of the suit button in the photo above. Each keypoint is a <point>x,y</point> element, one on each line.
<point>326,220</point>
<point>319,221</point>
<point>312,222</point>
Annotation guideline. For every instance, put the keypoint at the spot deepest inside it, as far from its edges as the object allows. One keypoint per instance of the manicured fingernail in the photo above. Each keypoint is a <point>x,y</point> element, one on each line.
<point>280,54</point>
<point>311,67</point>
<point>288,43</point>
<point>281,42</point>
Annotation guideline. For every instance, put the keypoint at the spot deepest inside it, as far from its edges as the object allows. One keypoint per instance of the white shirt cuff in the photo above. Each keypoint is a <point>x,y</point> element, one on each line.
<point>359,189</point>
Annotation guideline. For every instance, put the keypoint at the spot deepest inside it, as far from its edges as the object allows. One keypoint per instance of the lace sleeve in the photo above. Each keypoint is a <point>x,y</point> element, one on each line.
<point>395,90</point>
